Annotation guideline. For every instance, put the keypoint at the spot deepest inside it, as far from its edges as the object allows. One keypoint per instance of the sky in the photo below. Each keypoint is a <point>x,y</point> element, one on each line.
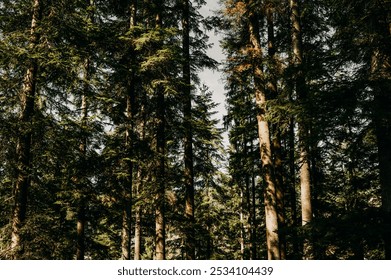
<point>213,79</point>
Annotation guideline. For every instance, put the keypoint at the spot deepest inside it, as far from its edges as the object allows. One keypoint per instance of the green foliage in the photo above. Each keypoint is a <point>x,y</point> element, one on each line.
<point>88,55</point>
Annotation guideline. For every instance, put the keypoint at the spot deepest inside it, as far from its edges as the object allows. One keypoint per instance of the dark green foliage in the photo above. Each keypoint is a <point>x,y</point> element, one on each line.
<point>88,50</point>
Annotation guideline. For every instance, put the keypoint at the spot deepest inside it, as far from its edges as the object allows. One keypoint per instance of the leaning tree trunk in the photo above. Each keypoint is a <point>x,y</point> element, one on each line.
<point>272,237</point>
<point>24,141</point>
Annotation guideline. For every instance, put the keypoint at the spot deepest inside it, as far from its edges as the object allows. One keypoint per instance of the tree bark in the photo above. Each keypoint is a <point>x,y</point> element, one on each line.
<point>188,141</point>
<point>242,226</point>
<point>305,173</point>
<point>160,235</point>
<point>380,77</point>
<point>276,143</point>
<point>292,174</point>
<point>272,237</point>
<point>253,237</point>
<point>24,141</point>
<point>160,198</point>
<point>137,233</point>
<point>80,229</point>
<point>81,181</point>
<point>141,177</point>
<point>126,233</point>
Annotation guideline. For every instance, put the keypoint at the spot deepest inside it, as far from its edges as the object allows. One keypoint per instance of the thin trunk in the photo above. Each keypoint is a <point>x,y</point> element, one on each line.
<point>160,199</point>
<point>128,182</point>
<point>188,141</point>
<point>380,69</point>
<point>305,173</point>
<point>272,238</point>
<point>126,225</point>
<point>126,234</point>
<point>141,177</point>
<point>160,237</point>
<point>80,230</point>
<point>246,204</point>
<point>81,181</point>
<point>277,150</point>
<point>248,225</point>
<point>242,229</point>
<point>24,141</point>
<point>209,245</point>
<point>253,220</point>
<point>292,176</point>
<point>137,228</point>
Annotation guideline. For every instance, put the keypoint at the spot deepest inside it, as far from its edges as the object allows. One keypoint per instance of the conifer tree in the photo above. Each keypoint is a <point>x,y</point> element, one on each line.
<point>24,142</point>
<point>300,87</point>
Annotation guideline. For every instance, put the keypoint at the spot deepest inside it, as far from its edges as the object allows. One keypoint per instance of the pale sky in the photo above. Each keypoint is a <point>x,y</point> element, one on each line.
<point>213,79</point>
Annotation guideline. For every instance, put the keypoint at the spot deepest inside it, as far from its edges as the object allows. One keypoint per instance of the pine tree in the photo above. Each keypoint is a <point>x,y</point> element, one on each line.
<point>305,176</point>
<point>23,146</point>
<point>188,141</point>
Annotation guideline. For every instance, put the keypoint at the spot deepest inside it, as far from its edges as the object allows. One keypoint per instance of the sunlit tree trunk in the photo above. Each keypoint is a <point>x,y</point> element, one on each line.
<point>24,141</point>
<point>299,79</point>
<point>276,143</point>
<point>272,238</point>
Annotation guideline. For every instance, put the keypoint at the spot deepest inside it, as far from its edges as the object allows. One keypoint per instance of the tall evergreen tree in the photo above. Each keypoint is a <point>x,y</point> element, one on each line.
<point>188,141</point>
<point>300,87</point>
<point>23,146</point>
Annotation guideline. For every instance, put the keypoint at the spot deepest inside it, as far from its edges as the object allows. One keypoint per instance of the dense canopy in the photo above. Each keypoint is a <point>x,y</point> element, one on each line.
<point>110,147</point>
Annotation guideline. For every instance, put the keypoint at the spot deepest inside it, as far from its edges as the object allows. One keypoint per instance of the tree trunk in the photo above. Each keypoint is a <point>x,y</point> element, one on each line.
<point>188,141</point>
<point>24,141</point>
<point>160,198</point>
<point>272,237</point>
<point>137,226</point>
<point>141,177</point>
<point>305,174</point>
<point>292,191</point>
<point>242,226</point>
<point>276,143</point>
<point>253,220</point>
<point>280,199</point>
<point>160,235</point>
<point>380,77</point>
<point>80,229</point>
<point>126,234</point>
<point>137,233</point>
<point>81,181</point>
<point>128,182</point>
